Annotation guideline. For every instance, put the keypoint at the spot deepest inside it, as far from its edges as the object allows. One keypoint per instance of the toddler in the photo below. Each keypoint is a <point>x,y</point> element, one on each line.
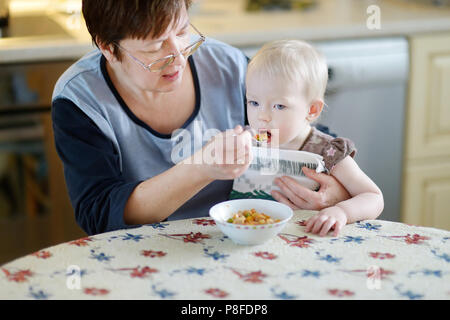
<point>285,87</point>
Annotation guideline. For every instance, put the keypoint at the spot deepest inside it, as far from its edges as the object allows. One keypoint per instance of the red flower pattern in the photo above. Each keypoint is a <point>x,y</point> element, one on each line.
<point>381,273</point>
<point>415,239</point>
<point>254,277</point>
<point>42,254</point>
<point>217,293</point>
<point>340,293</point>
<point>95,291</point>
<point>295,241</point>
<point>204,222</point>
<point>140,272</point>
<point>18,276</point>
<point>191,237</point>
<point>381,256</point>
<point>301,223</point>
<point>412,239</point>
<point>265,255</point>
<point>152,254</point>
<point>375,273</point>
<point>81,242</point>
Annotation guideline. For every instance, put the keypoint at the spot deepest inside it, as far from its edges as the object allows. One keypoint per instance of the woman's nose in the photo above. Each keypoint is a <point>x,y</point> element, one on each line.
<point>173,45</point>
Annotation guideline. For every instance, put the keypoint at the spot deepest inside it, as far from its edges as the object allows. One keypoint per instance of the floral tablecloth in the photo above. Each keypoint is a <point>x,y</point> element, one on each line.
<point>192,259</point>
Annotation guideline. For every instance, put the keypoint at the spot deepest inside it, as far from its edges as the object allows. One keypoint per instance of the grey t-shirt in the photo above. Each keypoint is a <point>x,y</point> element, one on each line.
<point>141,152</point>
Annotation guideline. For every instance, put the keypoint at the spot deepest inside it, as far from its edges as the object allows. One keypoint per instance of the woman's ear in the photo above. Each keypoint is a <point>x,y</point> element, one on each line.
<point>108,51</point>
<point>315,109</point>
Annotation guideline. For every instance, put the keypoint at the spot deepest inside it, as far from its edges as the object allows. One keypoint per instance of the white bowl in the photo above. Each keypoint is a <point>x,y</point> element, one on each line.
<point>250,234</point>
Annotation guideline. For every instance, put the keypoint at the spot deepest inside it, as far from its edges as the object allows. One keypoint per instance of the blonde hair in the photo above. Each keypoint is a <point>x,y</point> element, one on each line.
<point>295,61</point>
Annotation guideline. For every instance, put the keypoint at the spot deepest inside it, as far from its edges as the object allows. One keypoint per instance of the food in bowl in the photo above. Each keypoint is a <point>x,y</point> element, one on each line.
<point>251,217</point>
<point>250,234</point>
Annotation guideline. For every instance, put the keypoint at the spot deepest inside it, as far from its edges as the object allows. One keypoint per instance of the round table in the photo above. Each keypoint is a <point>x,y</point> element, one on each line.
<point>192,259</point>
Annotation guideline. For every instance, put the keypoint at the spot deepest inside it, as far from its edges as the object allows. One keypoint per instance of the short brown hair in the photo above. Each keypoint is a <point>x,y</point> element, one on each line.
<point>110,21</point>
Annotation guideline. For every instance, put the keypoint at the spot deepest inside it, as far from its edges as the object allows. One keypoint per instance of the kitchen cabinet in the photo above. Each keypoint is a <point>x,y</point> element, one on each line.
<point>35,210</point>
<point>426,174</point>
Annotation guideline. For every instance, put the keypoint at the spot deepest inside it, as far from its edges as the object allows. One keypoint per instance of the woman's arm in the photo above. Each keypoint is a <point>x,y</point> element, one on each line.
<point>101,197</point>
<point>155,199</point>
<point>97,190</point>
<point>178,184</point>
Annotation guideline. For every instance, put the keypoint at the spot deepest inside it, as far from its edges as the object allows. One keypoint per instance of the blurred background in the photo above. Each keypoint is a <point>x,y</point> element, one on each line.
<point>389,70</point>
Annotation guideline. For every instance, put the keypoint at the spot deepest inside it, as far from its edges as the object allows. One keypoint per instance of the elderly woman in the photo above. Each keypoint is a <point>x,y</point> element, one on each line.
<point>119,112</point>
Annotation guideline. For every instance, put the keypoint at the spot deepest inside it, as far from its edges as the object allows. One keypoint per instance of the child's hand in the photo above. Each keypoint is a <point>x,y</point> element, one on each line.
<point>328,218</point>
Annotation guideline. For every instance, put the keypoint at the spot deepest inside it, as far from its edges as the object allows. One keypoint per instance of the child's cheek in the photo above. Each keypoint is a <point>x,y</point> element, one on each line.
<point>283,134</point>
<point>277,137</point>
<point>252,115</point>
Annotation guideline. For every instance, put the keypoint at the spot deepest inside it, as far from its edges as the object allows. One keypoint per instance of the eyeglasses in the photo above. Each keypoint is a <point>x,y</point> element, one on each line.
<point>162,63</point>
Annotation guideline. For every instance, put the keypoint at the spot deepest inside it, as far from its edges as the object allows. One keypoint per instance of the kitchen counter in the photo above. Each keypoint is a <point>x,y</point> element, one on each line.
<point>330,20</point>
<point>226,20</point>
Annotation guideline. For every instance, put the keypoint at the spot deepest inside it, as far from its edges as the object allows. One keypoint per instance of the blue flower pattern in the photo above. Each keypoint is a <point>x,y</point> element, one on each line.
<point>443,256</point>
<point>101,257</point>
<point>283,295</point>
<point>158,225</point>
<point>306,273</point>
<point>38,294</point>
<point>368,226</point>
<point>328,258</point>
<point>215,255</point>
<point>408,293</point>
<point>162,293</point>
<point>427,272</point>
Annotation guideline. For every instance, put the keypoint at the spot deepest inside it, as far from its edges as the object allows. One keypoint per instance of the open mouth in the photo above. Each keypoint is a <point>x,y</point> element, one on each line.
<point>263,136</point>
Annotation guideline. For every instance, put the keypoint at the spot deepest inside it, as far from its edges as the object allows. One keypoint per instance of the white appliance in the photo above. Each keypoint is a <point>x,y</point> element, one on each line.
<point>365,99</point>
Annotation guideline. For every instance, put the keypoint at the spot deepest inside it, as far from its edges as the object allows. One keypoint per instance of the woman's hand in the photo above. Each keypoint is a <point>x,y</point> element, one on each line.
<point>226,156</point>
<point>298,197</point>
<point>329,218</point>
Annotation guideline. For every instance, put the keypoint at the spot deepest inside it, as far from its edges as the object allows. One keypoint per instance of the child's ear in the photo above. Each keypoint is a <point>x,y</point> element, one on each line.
<point>315,109</point>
